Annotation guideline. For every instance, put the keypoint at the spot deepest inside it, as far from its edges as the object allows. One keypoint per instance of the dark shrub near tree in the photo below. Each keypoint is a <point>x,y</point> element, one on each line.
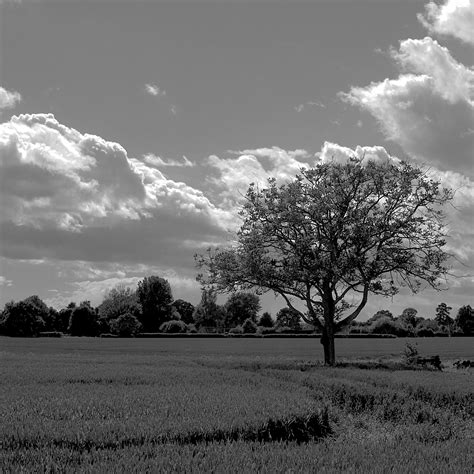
<point>266,320</point>
<point>84,321</point>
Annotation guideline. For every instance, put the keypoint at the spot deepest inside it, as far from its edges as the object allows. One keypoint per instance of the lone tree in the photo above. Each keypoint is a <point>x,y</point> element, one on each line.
<point>337,231</point>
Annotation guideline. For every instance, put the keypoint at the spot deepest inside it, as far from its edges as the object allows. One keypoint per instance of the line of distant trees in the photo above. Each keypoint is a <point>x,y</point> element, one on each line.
<point>150,308</point>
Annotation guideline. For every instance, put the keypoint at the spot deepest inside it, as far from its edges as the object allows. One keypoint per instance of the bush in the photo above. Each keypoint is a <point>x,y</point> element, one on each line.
<point>249,326</point>
<point>192,329</point>
<point>385,325</point>
<point>84,321</point>
<point>174,327</point>
<point>236,330</point>
<point>266,320</point>
<point>126,325</point>
<point>410,353</point>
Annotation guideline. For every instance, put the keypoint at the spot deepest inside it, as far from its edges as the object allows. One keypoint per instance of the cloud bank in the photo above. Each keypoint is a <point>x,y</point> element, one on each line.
<point>70,195</point>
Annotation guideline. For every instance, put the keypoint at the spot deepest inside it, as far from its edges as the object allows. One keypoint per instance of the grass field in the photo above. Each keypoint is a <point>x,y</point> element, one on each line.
<point>204,405</point>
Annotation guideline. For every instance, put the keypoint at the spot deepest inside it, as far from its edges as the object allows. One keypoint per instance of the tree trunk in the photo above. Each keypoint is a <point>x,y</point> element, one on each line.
<point>327,340</point>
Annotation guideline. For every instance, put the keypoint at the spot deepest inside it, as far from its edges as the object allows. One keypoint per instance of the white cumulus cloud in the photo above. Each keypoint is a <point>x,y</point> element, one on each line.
<point>452,17</point>
<point>70,195</point>
<point>428,109</point>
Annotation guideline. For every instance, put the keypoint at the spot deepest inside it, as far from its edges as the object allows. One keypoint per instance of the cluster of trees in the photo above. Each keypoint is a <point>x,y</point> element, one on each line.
<point>409,324</point>
<point>150,308</point>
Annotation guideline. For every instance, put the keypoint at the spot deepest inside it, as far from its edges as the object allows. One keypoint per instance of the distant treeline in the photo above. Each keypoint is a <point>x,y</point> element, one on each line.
<point>150,308</point>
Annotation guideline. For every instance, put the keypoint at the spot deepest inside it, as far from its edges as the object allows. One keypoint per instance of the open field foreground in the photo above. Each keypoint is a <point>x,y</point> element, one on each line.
<point>205,405</point>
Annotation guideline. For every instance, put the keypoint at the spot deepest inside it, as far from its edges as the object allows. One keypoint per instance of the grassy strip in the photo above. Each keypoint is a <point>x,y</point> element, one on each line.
<point>297,429</point>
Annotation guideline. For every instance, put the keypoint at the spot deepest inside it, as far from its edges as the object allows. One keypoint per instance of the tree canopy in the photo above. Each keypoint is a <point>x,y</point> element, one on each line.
<point>334,234</point>
<point>241,306</point>
<point>155,297</point>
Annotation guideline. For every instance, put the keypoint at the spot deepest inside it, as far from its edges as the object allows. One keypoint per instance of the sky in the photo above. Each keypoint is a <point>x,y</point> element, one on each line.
<point>129,130</point>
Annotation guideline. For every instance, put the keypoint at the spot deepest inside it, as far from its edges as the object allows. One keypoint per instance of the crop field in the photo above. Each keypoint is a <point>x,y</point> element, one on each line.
<point>244,405</point>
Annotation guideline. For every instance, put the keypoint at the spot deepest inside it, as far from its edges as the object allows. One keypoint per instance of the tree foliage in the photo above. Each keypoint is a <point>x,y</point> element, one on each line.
<point>337,231</point>
<point>185,309</point>
<point>126,325</point>
<point>266,320</point>
<point>465,320</point>
<point>249,326</point>
<point>84,320</point>
<point>241,306</point>
<point>208,313</point>
<point>155,297</point>
<point>443,317</point>
<point>24,318</point>
<point>118,301</point>
<point>288,318</point>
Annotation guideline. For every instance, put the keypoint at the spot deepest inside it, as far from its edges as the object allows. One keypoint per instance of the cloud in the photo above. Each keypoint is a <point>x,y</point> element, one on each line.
<point>70,195</point>
<point>5,282</point>
<point>254,165</point>
<point>8,99</point>
<point>453,17</point>
<point>154,160</point>
<point>154,90</point>
<point>428,109</point>
<point>301,107</point>
<point>332,152</point>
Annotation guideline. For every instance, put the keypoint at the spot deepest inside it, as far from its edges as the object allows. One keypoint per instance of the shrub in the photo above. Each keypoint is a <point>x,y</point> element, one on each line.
<point>84,321</point>
<point>410,353</point>
<point>266,320</point>
<point>192,329</point>
<point>126,325</point>
<point>249,326</point>
<point>384,325</point>
<point>236,330</point>
<point>174,326</point>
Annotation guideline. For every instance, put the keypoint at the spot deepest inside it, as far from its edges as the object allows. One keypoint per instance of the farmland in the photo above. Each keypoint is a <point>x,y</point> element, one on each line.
<point>231,406</point>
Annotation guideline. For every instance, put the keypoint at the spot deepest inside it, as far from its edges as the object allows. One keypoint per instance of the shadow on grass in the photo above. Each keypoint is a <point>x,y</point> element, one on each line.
<point>299,429</point>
